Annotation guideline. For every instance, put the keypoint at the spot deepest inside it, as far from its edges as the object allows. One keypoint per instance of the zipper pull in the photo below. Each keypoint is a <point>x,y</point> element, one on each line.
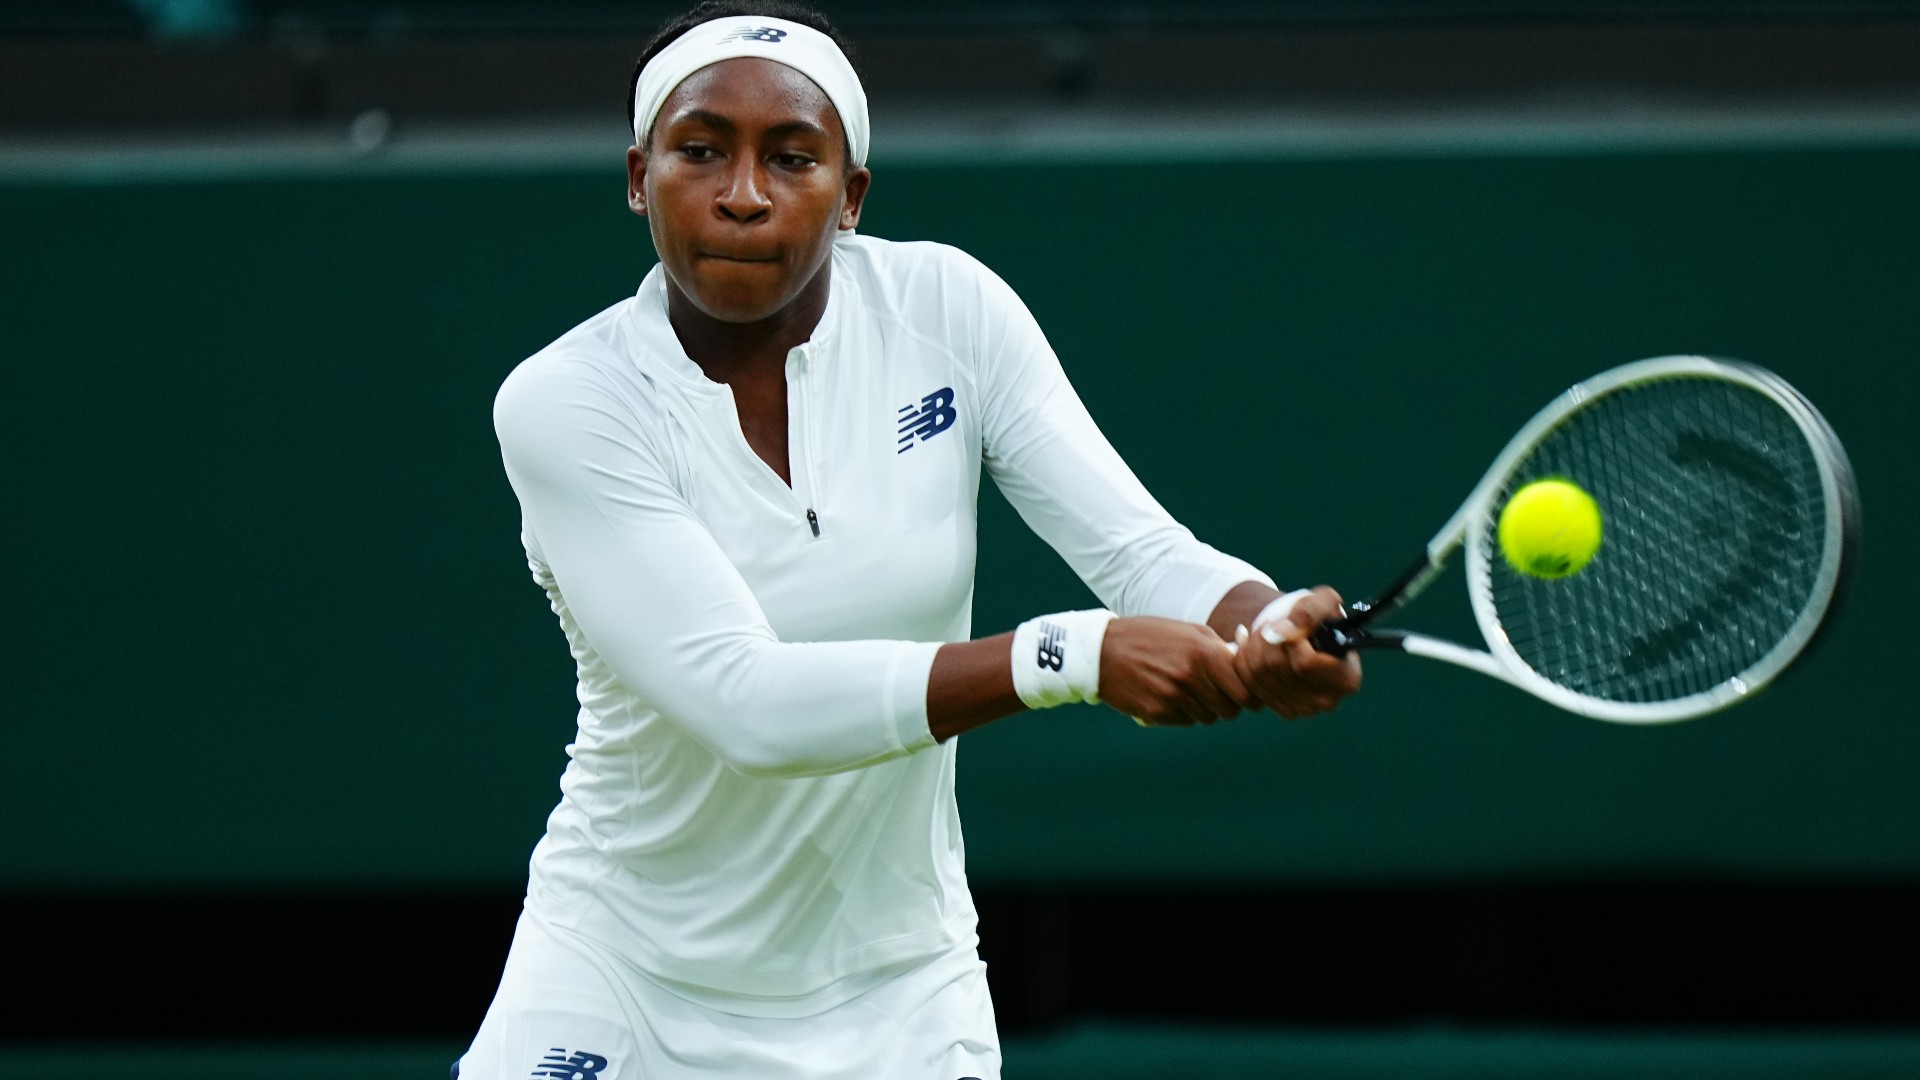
<point>813,520</point>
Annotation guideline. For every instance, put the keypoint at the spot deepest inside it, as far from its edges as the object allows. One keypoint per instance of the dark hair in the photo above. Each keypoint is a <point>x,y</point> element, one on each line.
<point>709,10</point>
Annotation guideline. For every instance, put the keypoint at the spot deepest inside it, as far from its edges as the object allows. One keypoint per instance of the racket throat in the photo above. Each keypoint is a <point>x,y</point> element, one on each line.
<point>1341,636</point>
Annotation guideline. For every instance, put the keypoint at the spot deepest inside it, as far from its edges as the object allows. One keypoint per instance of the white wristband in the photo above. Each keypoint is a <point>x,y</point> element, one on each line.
<point>1270,623</point>
<point>1056,658</point>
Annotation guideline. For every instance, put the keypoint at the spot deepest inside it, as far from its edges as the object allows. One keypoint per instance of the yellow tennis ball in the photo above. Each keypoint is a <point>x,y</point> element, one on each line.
<point>1549,529</point>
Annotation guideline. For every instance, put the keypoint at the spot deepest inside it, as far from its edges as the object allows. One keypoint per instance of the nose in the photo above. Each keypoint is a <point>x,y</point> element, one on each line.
<point>743,192</point>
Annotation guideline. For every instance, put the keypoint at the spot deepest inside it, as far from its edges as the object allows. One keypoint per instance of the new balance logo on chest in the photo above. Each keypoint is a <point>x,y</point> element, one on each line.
<point>560,1065</point>
<point>934,414</point>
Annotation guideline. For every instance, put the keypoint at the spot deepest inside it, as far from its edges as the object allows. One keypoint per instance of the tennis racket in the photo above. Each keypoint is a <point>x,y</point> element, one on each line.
<point>1730,527</point>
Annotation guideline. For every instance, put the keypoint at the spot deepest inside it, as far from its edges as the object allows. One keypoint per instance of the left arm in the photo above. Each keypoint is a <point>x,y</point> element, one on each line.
<point>1071,487</point>
<point>1240,606</point>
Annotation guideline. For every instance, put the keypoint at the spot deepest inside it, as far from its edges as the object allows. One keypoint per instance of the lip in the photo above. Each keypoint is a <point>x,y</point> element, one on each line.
<point>724,257</point>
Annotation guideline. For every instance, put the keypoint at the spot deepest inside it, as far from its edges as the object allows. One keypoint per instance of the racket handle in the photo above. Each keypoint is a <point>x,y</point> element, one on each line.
<point>1337,637</point>
<point>1349,632</point>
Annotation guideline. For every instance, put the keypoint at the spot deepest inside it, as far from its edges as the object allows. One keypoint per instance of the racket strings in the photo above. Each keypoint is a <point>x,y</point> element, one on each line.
<point>1714,533</point>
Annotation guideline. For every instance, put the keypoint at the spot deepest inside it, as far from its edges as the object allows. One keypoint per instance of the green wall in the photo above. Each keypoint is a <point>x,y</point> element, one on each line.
<point>268,622</point>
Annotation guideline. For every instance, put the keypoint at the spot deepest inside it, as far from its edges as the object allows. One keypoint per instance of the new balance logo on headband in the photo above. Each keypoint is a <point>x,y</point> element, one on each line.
<point>921,422</point>
<point>559,1065</point>
<point>1053,646</point>
<point>769,34</point>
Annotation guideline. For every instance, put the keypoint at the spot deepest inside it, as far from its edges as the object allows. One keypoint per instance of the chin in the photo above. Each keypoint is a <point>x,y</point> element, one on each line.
<point>737,309</point>
<point>737,301</point>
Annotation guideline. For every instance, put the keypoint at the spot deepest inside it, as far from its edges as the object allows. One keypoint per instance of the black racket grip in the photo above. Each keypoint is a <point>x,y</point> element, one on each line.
<point>1337,637</point>
<point>1342,635</point>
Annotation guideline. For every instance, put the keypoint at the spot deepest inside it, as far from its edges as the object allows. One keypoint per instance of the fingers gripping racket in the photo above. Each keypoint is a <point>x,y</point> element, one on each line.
<point>1731,520</point>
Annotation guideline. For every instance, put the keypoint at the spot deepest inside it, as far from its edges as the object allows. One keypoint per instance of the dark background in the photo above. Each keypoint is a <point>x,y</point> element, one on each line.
<point>284,714</point>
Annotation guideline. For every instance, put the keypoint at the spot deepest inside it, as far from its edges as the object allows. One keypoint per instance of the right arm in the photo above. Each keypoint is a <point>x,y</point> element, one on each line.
<point>671,616</point>
<point>673,619</point>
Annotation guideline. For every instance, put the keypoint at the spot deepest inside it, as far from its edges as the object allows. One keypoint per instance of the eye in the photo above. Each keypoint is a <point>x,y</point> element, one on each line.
<point>793,159</point>
<point>699,152</point>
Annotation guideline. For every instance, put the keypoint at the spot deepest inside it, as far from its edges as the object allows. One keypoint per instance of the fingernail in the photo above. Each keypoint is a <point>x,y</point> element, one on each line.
<point>1271,634</point>
<point>1240,634</point>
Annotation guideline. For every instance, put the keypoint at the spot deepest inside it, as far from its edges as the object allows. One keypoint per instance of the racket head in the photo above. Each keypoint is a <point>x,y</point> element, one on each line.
<point>1731,521</point>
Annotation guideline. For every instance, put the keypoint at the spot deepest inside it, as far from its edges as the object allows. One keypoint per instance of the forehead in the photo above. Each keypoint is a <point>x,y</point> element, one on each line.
<point>752,92</point>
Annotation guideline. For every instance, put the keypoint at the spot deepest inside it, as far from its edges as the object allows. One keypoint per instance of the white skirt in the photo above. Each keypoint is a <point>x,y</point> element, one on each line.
<point>566,1010</point>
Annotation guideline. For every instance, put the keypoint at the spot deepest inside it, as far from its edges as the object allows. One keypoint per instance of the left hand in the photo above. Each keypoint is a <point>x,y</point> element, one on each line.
<point>1293,678</point>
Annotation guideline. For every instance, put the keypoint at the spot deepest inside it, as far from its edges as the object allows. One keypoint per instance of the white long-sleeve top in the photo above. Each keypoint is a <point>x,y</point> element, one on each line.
<point>754,807</point>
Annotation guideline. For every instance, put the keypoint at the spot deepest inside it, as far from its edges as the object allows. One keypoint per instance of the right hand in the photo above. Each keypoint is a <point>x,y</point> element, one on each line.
<point>1166,672</point>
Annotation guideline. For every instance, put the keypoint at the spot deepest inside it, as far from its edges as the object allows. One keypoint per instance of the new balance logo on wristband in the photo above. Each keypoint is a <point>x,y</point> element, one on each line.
<point>559,1065</point>
<point>934,414</point>
<point>1043,674</point>
<point>768,34</point>
<point>1053,646</point>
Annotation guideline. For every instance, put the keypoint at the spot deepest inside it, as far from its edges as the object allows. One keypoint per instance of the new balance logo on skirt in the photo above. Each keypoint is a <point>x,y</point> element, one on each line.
<point>559,1065</point>
<point>1053,646</point>
<point>934,414</point>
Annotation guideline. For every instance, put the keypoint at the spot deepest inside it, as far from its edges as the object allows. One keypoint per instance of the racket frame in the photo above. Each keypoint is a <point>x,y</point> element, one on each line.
<point>1469,525</point>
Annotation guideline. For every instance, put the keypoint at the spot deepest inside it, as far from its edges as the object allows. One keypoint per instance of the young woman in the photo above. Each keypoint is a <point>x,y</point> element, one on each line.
<point>749,492</point>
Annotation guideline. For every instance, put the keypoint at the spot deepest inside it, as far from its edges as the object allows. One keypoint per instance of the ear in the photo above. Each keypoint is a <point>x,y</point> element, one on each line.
<point>857,183</point>
<point>637,180</point>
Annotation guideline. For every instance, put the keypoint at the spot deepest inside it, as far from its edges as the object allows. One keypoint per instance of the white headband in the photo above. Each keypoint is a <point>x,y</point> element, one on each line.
<point>801,48</point>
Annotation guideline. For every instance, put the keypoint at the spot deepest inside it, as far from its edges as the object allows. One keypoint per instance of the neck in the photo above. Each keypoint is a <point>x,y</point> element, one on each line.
<point>728,350</point>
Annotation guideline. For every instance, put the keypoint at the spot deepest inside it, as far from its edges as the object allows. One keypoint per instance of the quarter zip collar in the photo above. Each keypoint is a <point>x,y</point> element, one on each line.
<point>657,349</point>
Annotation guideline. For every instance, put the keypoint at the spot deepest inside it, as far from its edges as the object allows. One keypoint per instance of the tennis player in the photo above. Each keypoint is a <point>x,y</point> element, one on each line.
<point>749,493</point>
